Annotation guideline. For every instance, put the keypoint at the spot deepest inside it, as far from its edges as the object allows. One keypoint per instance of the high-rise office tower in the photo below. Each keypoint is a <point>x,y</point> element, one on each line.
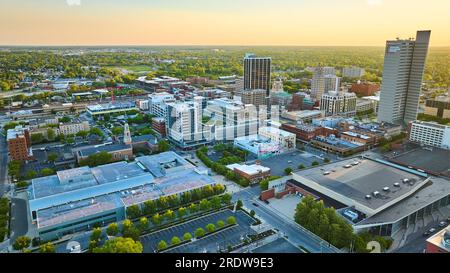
<point>404,64</point>
<point>257,73</point>
<point>323,81</point>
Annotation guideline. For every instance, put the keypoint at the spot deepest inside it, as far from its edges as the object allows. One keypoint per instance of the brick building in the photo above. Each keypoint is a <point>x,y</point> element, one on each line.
<point>365,89</point>
<point>19,144</point>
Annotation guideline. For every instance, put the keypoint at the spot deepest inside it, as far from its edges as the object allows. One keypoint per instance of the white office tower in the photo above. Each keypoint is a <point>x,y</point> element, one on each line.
<point>277,86</point>
<point>430,133</point>
<point>157,103</point>
<point>318,83</point>
<point>404,64</point>
<point>353,72</point>
<point>126,134</point>
<point>183,123</point>
<point>338,103</point>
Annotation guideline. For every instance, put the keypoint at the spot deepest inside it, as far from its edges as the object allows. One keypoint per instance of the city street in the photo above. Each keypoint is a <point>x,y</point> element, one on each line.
<point>3,165</point>
<point>294,232</point>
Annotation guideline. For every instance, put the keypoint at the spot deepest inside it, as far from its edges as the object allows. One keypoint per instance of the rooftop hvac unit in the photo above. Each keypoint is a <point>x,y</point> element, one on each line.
<point>386,189</point>
<point>376,193</point>
<point>406,180</point>
<point>368,197</point>
<point>397,185</point>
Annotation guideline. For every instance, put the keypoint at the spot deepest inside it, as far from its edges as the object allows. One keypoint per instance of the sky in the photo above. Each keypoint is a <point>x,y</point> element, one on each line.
<point>221,22</point>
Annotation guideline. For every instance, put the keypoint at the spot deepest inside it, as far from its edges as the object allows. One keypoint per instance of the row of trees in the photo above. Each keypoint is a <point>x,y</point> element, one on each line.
<point>165,202</point>
<point>4,216</point>
<point>96,159</point>
<point>327,224</point>
<point>198,233</point>
<point>22,243</point>
<point>221,169</point>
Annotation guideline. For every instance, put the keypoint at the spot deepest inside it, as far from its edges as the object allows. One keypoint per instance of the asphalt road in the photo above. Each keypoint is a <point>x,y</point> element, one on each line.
<point>19,221</point>
<point>3,164</point>
<point>287,227</point>
<point>416,242</point>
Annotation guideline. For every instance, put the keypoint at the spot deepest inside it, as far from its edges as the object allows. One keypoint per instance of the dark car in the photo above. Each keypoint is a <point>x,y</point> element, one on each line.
<point>256,205</point>
<point>426,234</point>
<point>266,201</point>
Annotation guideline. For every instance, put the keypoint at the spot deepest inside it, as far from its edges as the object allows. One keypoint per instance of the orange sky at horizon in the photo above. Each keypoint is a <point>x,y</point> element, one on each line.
<point>367,25</point>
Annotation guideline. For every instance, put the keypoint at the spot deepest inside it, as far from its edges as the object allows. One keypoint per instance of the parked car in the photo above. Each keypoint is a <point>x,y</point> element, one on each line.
<point>426,234</point>
<point>256,205</point>
<point>443,224</point>
<point>266,201</point>
<point>431,230</point>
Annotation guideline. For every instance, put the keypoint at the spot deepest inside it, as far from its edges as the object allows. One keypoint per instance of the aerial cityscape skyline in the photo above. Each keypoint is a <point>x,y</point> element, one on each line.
<point>187,22</point>
<point>334,138</point>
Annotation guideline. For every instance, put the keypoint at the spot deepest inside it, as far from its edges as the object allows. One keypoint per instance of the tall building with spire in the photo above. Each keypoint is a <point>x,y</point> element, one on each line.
<point>126,134</point>
<point>404,65</point>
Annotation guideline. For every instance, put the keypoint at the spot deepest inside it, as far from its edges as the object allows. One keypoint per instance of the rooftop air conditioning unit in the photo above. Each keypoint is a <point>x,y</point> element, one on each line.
<point>376,193</point>
<point>397,185</point>
<point>368,197</point>
<point>386,189</point>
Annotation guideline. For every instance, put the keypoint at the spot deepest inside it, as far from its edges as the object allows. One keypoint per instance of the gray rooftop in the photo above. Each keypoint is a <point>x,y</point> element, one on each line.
<point>363,179</point>
<point>107,148</point>
<point>429,159</point>
<point>433,191</point>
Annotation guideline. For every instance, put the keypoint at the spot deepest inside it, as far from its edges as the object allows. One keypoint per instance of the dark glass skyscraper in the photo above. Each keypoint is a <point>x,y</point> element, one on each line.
<point>257,73</point>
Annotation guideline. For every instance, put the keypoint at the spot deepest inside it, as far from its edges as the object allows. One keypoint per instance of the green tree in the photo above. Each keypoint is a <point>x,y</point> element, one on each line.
<point>239,204</point>
<point>226,198</point>
<point>315,163</point>
<point>301,167</point>
<point>156,219</point>
<point>30,174</point>
<point>47,172</point>
<point>21,243</point>
<point>181,212</point>
<point>83,134</point>
<point>47,248</point>
<point>231,220</point>
<point>199,232</point>
<point>169,215</point>
<point>51,134</point>
<point>127,224</point>
<point>162,245</point>
<point>326,160</point>
<point>133,212</point>
<point>252,213</point>
<point>175,241</point>
<point>205,204</point>
<point>163,146</point>
<point>112,229</point>
<point>288,171</point>
<point>96,234</point>
<point>51,157</point>
<point>143,223</point>
<point>96,131</point>
<point>187,236</point>
<point>216,202</point>
<point>210,227</point>
<point>37,138</point>
<point>193,208</point>
<point>150,207</point>
<point>220,224</point>
<point>120,245</point>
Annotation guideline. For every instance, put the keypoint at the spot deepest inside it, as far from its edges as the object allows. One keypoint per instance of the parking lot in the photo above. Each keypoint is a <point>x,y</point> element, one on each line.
<point>280,245</point>
<point>279,163</point>
<point>286,205</point>
<point>228,236</point>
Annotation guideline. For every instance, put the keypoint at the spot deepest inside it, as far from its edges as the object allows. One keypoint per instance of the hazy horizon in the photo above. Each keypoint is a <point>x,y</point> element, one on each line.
<point>220,22</point>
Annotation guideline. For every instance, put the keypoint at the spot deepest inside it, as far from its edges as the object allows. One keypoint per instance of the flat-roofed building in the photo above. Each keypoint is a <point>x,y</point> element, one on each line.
<point>19,144</point>
<point>75,200</point>
<point>438,107</point>
<point>304,116</point>
<point>254,173</point>
<point>286,139</point>
<point>384,197</point>
<point>439,242</point>
<point>72,128</point>
<point>338,103</point>
<point>110,108</point>
<point>430,133</point>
